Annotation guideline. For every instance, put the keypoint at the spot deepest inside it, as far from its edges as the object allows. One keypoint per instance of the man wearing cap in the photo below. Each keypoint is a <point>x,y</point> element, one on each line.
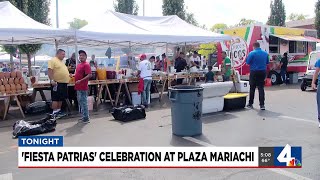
<point>82,76</point>
<point>145,72</point>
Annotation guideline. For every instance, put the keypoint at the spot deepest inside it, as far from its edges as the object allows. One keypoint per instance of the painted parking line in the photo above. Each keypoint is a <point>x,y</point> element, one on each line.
<point>7,176</point>
<point>278,171</point>
<point>299,119</point>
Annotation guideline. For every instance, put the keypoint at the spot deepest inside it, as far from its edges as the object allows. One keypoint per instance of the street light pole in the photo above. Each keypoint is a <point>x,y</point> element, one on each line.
<point>143,7</point>
<point>57,13</point>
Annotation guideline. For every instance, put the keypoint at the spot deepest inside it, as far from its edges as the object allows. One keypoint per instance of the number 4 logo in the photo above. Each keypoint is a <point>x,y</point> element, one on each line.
<point>285,156</point>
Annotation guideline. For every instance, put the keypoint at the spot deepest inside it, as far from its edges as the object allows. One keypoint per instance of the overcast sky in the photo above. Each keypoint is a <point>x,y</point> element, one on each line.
<point>208,12</point>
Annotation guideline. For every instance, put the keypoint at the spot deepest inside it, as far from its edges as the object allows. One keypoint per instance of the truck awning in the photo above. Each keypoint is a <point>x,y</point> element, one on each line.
<point>297,38</point>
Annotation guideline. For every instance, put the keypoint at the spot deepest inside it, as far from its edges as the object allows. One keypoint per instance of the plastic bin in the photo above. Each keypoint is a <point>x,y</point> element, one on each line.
<point>234,101</point>
<point>136,98</point>
<point>293,78</point>
<point>186,110</point>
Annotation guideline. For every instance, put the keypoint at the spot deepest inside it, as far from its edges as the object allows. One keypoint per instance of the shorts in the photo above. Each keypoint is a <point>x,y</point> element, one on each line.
<point>60,93</point>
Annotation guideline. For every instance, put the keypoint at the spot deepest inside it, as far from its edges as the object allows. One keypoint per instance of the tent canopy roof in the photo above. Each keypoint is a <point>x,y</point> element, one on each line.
<point>118,28</point>
<point>17,28</point>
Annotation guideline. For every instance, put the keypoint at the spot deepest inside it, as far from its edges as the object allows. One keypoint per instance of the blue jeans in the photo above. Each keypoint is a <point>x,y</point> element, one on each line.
<point>146,91</point>
<point>83,104</point>
<point>283,74</point>
<point>318,101</point>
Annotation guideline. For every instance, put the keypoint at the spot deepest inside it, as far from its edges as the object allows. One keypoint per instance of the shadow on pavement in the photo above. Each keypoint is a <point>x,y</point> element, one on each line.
<point>129,122</point>
<point>180,142</point>
<point>74,130</point>
<point>267,113</point>
<point>217,117</point>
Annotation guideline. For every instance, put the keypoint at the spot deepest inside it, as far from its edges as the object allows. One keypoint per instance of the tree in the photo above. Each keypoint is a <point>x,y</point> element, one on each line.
<point>191,19</point>
<point>37,10</point>
<point>296,17</point>
<point>219,26</point>
<point>206,49</point>
<point>317,20</point>
<point>126,6</point>
<point>245,22</point>
<point>278,14</point>
<point>174,7</point>
<point>204,27</point>
<point>77,23</point>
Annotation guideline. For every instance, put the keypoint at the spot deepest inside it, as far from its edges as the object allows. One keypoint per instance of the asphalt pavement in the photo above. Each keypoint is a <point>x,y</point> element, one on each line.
<point>290,118</point>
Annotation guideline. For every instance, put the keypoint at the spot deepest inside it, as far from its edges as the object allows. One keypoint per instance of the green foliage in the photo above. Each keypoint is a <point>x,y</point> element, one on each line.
<point>126,6</point>
<point>296,17</point>
<point>317,20</point>
<point>77,23</point>
<point>278,14</point>
<point>191,19</point>
<point>245,22</point>
<point>206,49</point>
<point>219,26</point>
<point>174,7</point>
<point>37,10</point>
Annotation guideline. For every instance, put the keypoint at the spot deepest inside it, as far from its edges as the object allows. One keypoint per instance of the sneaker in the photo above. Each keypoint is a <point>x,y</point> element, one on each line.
<point>61,114</point>
<point>262,107</point>
<point>86,122</point>
<point>250,106</point>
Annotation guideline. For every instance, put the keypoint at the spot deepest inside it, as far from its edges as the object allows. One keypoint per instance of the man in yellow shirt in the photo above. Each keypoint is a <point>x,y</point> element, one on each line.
<point>59,78</point>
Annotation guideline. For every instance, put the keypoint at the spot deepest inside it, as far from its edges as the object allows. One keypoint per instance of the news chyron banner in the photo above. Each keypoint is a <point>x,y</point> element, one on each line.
<point>49,152</point>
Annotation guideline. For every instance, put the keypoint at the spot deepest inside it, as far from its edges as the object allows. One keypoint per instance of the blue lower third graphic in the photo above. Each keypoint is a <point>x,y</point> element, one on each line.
<point>288,156</point>
<point>38,141</point>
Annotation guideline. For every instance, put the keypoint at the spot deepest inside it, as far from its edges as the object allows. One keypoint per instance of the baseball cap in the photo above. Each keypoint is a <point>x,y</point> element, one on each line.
<point>82,51</point>
<point>143,56</point>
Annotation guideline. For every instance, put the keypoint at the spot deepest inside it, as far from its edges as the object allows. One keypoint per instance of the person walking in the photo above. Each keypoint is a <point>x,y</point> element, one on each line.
<point>284,65</point>
<point>257,60</point>
<point>145,72</point>
<point>82,76</point>
<point>316,86</point>
<point>226,67</point>
<point>59,78</point>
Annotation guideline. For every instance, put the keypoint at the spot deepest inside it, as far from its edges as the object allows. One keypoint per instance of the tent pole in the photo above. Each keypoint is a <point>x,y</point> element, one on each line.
<point>20,58</point>
<point>11,56</point>
<point>76,46</point>
<point>167,58</point>
<point>56,44</point>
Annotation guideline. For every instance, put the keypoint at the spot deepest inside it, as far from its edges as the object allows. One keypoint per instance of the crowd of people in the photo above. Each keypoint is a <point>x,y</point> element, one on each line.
<point>60,74</point>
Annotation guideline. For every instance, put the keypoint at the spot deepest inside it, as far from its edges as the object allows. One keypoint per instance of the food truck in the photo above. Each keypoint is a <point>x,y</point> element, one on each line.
<point>298,43</point>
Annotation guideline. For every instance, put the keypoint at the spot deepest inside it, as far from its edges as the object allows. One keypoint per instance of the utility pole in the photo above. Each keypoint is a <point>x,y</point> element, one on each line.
<point>57,13</point>
<point>143,7</point>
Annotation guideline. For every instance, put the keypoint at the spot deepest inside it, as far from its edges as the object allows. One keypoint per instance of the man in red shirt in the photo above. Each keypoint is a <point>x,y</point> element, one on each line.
<point>82,76</point>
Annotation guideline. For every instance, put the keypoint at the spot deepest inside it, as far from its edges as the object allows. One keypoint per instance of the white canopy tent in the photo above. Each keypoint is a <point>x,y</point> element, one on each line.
<point>114,28</point>
<point>18,28</point>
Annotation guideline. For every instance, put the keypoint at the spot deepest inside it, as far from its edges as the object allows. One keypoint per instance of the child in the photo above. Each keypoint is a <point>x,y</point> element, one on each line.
<point>210,77</point>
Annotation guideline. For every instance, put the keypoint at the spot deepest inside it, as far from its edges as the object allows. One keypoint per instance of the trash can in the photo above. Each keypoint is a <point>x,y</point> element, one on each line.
<point>186,110</point>
<point>293,78</point>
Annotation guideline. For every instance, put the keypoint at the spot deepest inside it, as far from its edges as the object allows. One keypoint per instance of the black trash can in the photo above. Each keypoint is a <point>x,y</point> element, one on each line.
<point>186,110</point>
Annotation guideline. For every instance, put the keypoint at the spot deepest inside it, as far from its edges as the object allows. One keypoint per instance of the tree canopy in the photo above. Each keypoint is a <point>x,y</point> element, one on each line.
<point>218,26</point>
<point>295,17</point>
<point>278,14</point>
<point>176,7</point>
<point>77,23</point>
<point>317,20</point>
<point>126,6</point>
